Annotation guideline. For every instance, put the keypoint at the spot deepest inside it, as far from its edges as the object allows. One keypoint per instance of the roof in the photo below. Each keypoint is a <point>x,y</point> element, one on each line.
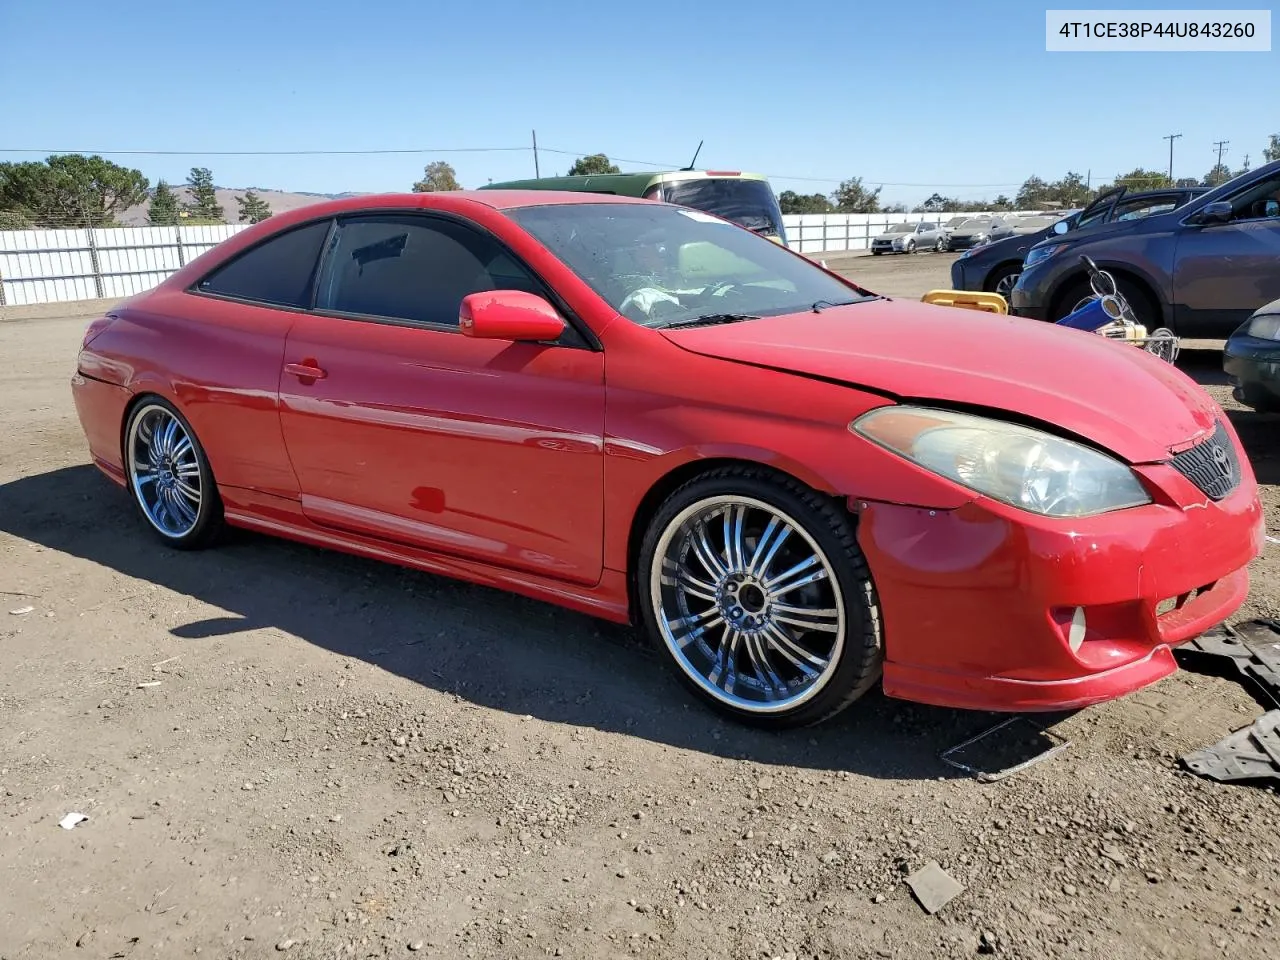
<point>456,201</point>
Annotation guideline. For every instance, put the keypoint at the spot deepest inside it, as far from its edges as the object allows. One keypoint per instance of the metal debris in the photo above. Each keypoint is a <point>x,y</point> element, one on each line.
<point>991,776</point>
<point>1251,648</point>
<point>1252,753</point>
<point>934,887</point>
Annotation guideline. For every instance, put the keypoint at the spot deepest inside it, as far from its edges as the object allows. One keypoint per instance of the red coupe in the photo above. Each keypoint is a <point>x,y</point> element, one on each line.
<point>646,413</point>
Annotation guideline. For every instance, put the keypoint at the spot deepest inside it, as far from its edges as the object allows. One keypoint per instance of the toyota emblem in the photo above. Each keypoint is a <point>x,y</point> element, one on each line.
<point>1223,463</point>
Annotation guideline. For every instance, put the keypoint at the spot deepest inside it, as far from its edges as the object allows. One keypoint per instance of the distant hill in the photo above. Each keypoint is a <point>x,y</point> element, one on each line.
<point>278,200</point>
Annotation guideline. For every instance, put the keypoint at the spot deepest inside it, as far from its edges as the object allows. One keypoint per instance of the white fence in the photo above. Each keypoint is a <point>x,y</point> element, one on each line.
<point>54,266</point>
<point>827,232</point>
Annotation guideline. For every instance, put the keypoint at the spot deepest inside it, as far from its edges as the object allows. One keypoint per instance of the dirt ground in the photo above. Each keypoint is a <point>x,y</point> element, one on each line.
<point>283,750</point>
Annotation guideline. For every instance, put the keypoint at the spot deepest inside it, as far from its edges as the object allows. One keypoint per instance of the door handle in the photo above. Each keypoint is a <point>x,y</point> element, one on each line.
<point>307,370</point>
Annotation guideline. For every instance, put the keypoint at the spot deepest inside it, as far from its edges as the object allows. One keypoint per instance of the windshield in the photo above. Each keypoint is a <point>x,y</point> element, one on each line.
<point>975,224</point>
<point>748,202</point>
<point>661,266</point>
<point>901,228</point>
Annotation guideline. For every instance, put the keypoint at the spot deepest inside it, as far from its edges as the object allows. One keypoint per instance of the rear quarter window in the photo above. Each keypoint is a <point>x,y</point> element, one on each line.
<point>277,272</point>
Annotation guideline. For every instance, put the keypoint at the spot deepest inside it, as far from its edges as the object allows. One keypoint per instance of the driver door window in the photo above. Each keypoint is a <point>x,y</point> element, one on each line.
<point>414,269</point>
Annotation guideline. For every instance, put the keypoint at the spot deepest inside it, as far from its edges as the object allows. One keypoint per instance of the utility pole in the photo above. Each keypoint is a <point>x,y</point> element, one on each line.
<point>1171,137</point>
<point>1221,145</point>
<point>536,173</point>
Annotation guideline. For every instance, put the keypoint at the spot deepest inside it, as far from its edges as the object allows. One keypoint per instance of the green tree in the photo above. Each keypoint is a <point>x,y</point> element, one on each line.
<point>1140,179</point>
<point>1002,202</point>
<point>1220,173</point>
<point>1186,182</point>
<point>852,197</point>
<point>792,202</point>
<point>70,190</point>
<point>1070,191</point>
<point>1032,194</point>
<point>15,219</point>
<point>204,201</point>
<point>592,165</point>
<point>437,176</point>
<point>253,208</point>
<point>1272,150</point>
<point>163,211</point>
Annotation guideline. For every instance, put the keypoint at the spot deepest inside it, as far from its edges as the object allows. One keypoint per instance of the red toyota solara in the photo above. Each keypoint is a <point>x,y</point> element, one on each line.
<point>648,414</point>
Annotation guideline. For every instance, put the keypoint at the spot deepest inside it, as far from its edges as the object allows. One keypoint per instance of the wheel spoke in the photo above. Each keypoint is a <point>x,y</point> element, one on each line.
<point>807,618</point>
<point>724,665</point>
<point>797,576</point>
<point>756,652</point>
<point>774,536</point>
<point>706,554</point>
<point>182,448</point>
<point>802,659</point>
<point>694,586</point>
<point>187,470</point>
<point>689,629</point>
<point>188,491</point>
<point>735,543</point>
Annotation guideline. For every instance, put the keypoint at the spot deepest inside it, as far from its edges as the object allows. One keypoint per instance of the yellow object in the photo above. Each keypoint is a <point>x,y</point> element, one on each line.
<point>968,300</point>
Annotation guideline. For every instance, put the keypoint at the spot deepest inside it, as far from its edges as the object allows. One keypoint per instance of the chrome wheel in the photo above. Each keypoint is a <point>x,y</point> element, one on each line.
<point>164,471</point>
<point>748,604</point>
<point>940,246</point>
<point>1005,285</point>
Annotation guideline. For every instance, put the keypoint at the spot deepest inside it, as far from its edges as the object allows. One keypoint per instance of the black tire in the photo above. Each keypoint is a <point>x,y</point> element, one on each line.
<point>1001,274</point>
<point>876,253</point>
<point>858,665</point>
<point>1140,302</point>
<point>208,525</point>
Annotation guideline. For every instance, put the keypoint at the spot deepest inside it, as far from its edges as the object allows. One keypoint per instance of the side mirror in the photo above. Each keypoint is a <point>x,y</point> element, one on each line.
<point>1061,227</point>
<point>509,315</point>
<point>1220,211</point>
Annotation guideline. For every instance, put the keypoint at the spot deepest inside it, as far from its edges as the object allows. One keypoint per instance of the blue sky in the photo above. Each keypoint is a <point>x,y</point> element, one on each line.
<point>958,97</point>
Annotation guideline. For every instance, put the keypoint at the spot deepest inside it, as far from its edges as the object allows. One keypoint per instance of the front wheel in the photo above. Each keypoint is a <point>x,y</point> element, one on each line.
<point>754,588</point>
<point>169,477</point>
<point>911,246</point>
<point>1003,279</point>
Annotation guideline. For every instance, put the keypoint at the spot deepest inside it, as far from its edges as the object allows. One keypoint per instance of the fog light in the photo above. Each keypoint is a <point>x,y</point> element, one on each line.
<point>1075,636</point>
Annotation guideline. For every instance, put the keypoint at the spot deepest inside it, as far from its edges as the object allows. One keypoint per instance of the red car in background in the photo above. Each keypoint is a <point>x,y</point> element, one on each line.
<point>645,413</point>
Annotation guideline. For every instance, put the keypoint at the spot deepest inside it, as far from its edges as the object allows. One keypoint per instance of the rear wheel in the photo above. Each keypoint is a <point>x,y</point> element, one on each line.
<point>169,477</point>
<point>940,246</point>
<point>753,587</point>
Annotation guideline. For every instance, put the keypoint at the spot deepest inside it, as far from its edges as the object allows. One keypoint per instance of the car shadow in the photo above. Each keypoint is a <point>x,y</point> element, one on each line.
<point>486,646</point>
<point>1203,366</point>
<point>1260,436</point>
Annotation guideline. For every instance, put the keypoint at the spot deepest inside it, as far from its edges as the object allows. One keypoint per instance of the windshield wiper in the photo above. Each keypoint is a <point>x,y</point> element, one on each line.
<point>819,304</point>
<point>709,318</point>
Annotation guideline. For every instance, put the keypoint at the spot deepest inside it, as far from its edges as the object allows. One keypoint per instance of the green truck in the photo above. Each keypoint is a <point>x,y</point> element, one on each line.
<point>745,198</point>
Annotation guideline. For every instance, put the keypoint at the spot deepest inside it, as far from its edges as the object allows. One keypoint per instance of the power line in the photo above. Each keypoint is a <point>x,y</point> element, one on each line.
<point>1220,144</point>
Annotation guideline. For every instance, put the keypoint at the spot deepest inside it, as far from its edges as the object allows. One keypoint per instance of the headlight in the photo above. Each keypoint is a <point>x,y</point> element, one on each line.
<point>1036,254</point>
<point>1265,327</point>
<point>1017,465</point>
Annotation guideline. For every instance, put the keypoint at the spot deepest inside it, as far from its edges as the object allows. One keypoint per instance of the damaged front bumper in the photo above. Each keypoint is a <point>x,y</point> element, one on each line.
<point>988,607</point>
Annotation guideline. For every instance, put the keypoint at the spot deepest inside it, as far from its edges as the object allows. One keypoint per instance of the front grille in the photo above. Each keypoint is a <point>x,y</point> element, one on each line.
<point>1211,465</point>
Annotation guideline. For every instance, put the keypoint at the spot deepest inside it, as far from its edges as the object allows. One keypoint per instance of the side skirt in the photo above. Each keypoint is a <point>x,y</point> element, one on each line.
<point>281,517</point>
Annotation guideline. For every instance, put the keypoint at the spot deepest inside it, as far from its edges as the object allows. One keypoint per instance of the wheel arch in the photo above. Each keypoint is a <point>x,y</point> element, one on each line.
<point>680,474</point>
<point>1120,271</point>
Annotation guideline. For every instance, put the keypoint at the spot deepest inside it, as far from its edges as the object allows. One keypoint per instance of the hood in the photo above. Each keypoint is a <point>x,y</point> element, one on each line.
<point>1117,396</point>
<point>887,235</point>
